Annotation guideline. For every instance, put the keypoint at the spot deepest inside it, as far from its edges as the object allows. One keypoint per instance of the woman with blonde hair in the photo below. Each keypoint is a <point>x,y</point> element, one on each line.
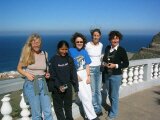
<point>35,90</point>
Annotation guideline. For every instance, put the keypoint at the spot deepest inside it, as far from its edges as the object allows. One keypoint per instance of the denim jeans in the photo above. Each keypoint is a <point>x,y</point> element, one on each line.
<point>38,103</point>
<point>112,84</point>
<point>96,84</point>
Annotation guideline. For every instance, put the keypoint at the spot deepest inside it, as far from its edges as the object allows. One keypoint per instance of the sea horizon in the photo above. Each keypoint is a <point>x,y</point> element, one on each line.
<point>11,46</point>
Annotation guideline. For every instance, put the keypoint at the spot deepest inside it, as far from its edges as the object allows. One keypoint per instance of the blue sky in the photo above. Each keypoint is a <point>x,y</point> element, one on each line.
<point>64,16</point>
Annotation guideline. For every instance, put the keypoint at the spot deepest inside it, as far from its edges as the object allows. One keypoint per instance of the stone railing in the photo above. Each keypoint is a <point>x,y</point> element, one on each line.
<point>141,74</point>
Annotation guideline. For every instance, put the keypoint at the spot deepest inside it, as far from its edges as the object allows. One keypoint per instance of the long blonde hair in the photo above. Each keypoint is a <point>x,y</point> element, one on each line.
<point>27,55</point>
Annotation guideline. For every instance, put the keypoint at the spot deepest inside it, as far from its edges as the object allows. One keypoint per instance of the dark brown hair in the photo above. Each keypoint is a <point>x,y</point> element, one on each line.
<point>75,36</point>
<point>95,30</point>
<point>112,34</point>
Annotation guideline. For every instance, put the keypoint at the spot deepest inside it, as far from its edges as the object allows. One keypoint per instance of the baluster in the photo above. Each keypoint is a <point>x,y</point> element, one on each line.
<point>135,78</point>
<point>159,70</point>
<point>25,112</point>
<point>155,71</point>
<point>130,74</point>
<point>152,71</point>
<point>141,72</point>
<point>124,80</point>
<point>6,108</point>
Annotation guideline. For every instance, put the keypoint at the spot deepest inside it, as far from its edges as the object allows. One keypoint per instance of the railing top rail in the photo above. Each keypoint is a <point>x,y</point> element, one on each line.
<point>143,61</point>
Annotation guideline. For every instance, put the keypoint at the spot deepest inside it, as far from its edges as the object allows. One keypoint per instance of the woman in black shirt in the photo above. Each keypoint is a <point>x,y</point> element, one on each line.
<point>114,60</point>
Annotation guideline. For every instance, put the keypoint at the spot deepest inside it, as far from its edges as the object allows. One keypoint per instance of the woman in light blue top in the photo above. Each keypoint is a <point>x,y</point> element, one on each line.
<point>82,61</point>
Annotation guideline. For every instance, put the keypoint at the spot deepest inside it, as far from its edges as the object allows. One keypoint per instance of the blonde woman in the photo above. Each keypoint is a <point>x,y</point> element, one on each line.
<point>35,89</point>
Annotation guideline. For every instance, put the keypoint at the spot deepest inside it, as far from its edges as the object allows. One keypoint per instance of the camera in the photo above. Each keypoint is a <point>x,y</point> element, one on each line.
<point>65,86</point>
<point>110,59</point>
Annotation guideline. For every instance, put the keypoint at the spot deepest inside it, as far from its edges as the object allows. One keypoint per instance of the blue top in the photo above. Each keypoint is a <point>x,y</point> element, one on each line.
<point>81,58</point>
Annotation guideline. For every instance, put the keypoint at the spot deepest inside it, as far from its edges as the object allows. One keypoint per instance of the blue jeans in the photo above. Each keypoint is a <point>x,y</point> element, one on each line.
<point>96,84</point>
<point>113,83</point>
<point>38,103</point>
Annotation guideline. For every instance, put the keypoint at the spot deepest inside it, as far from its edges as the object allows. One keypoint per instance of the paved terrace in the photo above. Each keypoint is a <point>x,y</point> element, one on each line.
<point>144,105</point>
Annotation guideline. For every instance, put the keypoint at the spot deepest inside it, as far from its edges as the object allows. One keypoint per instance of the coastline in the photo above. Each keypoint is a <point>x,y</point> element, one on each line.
<point>9,75</point>
<point>130,55</point>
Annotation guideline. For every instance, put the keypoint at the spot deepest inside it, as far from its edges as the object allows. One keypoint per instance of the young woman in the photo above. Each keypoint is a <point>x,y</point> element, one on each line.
<point>114,60</point>
<point>35,89</point>
<point>82,61</point>
<point>94,49</point>
<point>63,74</point>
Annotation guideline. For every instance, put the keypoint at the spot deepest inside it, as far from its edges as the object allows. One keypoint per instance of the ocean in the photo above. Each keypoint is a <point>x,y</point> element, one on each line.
<point>11,46</point>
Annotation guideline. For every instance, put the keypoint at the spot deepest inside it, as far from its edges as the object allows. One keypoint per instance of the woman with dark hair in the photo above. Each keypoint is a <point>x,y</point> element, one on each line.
<point>63,74</point>
<point>82,61</point>
<point>94,49</point>
<point>114,60</point>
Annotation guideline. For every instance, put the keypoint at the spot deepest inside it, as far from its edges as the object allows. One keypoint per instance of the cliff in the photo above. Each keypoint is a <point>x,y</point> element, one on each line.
<point>152,51</point>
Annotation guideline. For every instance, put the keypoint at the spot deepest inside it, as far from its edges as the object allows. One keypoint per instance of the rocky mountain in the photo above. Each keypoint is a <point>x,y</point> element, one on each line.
<point>152,51</point>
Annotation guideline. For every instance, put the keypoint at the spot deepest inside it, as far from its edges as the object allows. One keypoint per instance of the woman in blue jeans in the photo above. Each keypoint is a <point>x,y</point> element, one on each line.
<point>35,89</point>
<point>114,60</point>
<point>94,49</point>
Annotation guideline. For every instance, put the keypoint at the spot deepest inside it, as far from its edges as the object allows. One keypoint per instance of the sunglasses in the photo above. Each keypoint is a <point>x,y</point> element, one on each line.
<point>79,41</point>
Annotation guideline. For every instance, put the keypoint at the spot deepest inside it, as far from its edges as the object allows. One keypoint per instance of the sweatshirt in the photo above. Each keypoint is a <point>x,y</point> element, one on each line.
<point>63,71</point>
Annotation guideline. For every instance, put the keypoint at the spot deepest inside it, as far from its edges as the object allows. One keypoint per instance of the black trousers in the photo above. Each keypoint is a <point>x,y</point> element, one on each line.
<point>63,101</point>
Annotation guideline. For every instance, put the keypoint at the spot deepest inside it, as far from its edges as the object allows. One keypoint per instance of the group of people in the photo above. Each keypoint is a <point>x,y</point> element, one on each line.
<point>81,67</point>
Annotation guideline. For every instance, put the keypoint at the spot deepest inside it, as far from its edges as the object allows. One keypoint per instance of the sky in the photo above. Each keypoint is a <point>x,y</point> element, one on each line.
<point>65,16</point>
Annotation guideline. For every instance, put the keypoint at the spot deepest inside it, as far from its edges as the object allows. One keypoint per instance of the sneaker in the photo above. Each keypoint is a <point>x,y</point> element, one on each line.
<point>96,118</point>
<point>99,114</point>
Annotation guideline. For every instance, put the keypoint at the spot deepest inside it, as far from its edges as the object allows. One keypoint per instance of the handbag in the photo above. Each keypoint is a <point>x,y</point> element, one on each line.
<point>50,84</point>
<point>49,81</point>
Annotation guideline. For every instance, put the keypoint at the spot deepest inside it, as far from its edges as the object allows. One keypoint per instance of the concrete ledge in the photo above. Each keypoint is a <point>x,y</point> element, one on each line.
<point>11,85</point>
<point>131,89</point>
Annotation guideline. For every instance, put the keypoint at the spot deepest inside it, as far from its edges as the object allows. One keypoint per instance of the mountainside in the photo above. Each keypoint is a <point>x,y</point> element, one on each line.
<point>153,51</point>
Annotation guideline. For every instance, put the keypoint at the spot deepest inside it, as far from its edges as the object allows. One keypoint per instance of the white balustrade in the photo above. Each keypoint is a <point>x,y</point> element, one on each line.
<point>124,76</point>
<point>141,72</point>
<point>6,108</point>
<point>25,112</point>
